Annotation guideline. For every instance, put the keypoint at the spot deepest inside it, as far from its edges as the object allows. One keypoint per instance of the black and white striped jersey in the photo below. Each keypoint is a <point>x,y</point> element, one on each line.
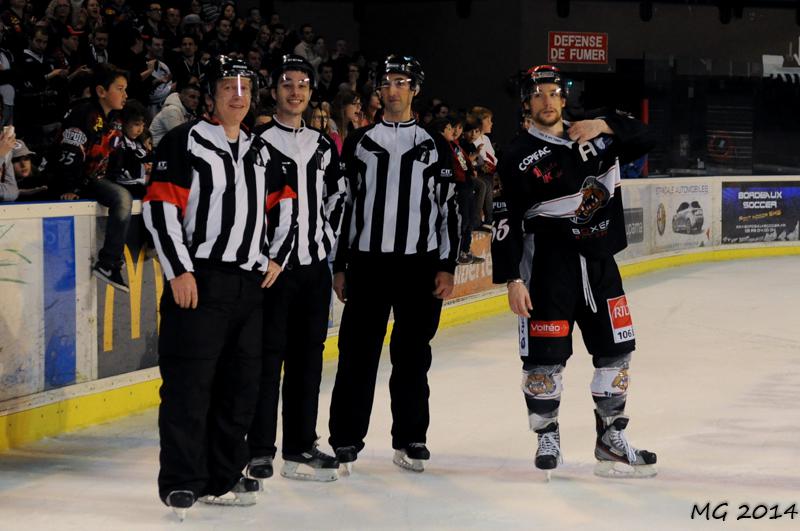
<point>308,158</point>
<point>208,199</point>
<point>401,194</point>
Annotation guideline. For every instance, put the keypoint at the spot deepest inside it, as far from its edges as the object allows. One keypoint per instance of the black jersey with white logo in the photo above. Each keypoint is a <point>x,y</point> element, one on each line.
<point>567,195</point>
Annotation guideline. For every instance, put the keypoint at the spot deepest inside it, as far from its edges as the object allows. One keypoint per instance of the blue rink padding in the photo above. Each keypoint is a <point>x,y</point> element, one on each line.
<point>59,301</point>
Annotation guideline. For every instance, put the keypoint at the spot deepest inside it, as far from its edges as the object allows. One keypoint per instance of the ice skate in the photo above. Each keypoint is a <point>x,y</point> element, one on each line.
<point>260,467</point>
<point>346,455</point>
<point>616,458</point>
<point>548,455</point>
<point>180,501</point>
<point>411,457</point>
<point>312,466</point>
<point>244,493</point>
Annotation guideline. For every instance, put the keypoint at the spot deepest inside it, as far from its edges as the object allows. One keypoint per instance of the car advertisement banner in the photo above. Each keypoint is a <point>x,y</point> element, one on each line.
<point>636,202</point>
<point>682,216</point>
<point>760,211</point>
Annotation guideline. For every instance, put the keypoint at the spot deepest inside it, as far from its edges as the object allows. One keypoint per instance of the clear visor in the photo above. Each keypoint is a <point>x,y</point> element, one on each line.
<point>539,91</point>
<point>398,82</point>
<point>287,82</point>
<point>241,84</point>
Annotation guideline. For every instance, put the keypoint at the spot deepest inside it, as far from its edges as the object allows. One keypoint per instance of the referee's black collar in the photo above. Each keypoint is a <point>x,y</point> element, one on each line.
<point>408,123</point>
<point>284,127</point>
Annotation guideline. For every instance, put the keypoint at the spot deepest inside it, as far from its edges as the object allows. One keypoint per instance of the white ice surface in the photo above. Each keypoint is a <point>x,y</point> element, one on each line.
<point>715,392</point>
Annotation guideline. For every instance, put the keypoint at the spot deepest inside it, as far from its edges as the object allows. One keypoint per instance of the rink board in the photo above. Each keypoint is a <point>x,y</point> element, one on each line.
<point>74,352</point>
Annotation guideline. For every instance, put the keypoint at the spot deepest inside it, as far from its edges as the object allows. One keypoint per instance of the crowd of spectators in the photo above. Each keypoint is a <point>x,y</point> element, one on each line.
<point>50,51</point>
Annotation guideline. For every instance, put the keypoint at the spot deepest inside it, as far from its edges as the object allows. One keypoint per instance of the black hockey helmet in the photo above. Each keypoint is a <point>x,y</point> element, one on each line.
<point>406,65</point>
<point>538,75</point>
<point>224,67</point>
<point>292,61</point>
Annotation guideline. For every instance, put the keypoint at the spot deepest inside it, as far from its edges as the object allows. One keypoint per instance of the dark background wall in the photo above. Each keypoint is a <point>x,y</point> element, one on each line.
<point>469,59</point>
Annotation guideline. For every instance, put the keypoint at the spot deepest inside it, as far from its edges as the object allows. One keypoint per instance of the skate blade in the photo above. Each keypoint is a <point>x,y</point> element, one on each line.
<point>400,459</point>
<point>231,499</point>
<point>180,513</point>
<point>345,469</point>
<point>292,470</point>
<point>548,475</point>
<point>615,469</point>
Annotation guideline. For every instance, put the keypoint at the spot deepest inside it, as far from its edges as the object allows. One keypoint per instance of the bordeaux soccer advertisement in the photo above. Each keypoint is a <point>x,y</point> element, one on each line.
<point>760,211</point>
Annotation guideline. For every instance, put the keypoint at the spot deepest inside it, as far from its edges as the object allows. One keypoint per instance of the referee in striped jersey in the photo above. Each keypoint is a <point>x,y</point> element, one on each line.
<point>205,207</point>
<point>296,307</point>
<point>397,252</point>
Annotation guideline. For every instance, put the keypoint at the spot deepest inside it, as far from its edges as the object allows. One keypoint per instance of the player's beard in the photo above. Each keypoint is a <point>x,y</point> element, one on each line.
<point>539,118</point>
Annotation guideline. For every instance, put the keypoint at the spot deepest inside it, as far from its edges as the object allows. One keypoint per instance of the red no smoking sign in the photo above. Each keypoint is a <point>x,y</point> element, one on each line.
<point>577,47</point>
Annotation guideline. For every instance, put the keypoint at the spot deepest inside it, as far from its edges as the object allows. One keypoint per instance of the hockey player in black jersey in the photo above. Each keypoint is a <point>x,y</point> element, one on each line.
<point>555,250</point>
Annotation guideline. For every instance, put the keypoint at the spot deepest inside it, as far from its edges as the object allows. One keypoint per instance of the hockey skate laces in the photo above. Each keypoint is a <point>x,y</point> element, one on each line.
<point>619,440</point>
<point>588,296</point>
<point>549,444</point>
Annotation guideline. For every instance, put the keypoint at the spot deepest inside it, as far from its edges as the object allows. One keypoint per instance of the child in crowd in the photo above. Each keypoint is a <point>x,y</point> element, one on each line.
<point>128,164</point>
<point>463,173</point>
<point>32,184</point>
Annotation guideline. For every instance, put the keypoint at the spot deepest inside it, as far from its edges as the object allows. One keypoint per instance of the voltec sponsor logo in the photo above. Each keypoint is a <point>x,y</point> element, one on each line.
<point>74,137</point>
<point>549,329</point>
<point>533,157</point>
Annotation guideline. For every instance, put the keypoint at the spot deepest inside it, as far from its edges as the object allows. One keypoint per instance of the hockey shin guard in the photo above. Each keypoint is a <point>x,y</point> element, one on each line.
<point>541,386</point>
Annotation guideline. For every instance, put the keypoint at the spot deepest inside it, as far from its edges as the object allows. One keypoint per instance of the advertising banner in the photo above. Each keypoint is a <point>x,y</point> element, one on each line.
<point>577,47</point>
<point>760,211</point>
<point>682,216</point>
<point>127,323</point>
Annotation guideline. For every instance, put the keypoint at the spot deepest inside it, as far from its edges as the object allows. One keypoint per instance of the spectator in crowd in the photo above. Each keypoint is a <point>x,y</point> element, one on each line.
<point>187,66</point>
<point>8,183</point>
<point>440,110</point>
<point>252,26</point>
<point>171,28</point>
<point>254,60</point>
<point>160,83</point>
<point>152,22</point>
<point>464,174</point>
<point>340,59</point>
<point>321,49</point>
<point>7,92</point>
<point>472,130</point>
<point>191,25</point>
<point>90,16</point>
<point>98,48</point>
<point>305,48</point>
<point>326,89</point>
<point>353,75</point>
<point>179,107</point>
<point>17,27</point>
<point>133,61</point>
<point>127,164</point>
<point>346,112</point>
<point>228,11</point>
<point>66,56</point>
<point>372,112</point>
<point>32,184</point>
<point>89,136</point>
<point>276,50</point>
<point>59,15</point>
<point>223,44</point>
<point>37,90</point>
<point>486,162</point>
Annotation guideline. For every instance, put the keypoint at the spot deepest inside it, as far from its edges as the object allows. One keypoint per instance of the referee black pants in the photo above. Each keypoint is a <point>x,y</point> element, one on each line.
<point>296,311</point>
<point>210,359</point>
<point>375,285</point>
